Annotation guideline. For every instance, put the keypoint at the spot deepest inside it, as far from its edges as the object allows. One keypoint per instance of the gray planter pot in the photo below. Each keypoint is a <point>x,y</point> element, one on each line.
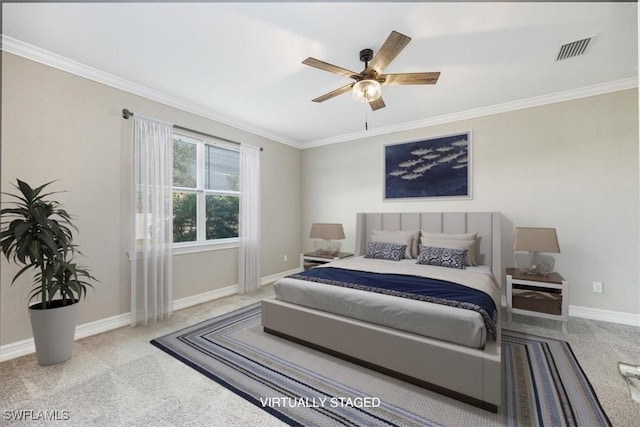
<point>53,332</point>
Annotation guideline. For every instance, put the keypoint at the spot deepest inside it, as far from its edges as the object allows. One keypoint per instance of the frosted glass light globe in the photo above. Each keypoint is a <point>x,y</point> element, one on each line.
<point>366,90</point>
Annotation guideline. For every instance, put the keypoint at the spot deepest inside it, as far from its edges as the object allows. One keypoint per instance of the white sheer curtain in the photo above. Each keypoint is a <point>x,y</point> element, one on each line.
<point>249,275</point>
<point>151,272</point>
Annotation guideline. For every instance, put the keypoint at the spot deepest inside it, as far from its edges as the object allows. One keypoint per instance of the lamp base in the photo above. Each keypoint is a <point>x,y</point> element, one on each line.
<point>534,264</point>
<point>326,247</point>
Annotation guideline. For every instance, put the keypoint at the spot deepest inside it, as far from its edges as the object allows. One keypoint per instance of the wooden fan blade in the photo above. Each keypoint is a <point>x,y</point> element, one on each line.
<point>377,104</point>
<point>334,93</point>
<point>312,62</point>
<point>409,78</point>
<point>387,52</point>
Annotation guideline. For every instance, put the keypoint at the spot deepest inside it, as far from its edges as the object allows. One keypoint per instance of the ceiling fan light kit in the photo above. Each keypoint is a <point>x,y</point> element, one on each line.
<point>366,87</point>
<point>366,90</point>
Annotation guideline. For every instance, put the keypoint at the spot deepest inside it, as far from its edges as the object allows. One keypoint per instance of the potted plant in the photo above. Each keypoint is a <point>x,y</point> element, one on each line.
<point>37,234</point>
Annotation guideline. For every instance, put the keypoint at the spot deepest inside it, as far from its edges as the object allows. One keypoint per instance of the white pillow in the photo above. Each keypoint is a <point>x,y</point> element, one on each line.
<point>409,238</point>
<point>470,245</point>
<point>449,236</point>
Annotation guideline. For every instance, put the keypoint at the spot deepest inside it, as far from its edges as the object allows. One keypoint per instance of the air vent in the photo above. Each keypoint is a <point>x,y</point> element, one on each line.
<point>572,49</point>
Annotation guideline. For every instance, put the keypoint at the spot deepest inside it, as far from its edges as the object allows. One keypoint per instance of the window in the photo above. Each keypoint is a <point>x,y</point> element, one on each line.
<point>206,191</point>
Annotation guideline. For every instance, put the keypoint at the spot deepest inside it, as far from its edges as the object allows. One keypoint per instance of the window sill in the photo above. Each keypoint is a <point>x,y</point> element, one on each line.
<point>219,245</point>
<point>191,248</point>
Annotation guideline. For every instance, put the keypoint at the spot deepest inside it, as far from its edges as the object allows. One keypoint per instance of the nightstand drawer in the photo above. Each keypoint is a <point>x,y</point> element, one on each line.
<point>547,301</point>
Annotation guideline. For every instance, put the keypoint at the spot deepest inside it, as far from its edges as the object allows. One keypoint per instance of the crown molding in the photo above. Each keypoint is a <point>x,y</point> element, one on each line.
<point>36,54</point>
<point>506,107</point>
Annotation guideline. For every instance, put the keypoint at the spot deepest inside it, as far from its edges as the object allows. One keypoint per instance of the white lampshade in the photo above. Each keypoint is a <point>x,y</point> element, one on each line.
<point>533,239</point>
<point>327,231</point>
<point>366,90</point>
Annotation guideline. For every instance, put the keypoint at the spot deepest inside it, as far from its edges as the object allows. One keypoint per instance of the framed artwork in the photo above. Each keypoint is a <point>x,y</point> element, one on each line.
<point>438,167</point>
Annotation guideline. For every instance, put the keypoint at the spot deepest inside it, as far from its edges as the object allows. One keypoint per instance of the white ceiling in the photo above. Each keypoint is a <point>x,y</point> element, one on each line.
<point>241,63</point>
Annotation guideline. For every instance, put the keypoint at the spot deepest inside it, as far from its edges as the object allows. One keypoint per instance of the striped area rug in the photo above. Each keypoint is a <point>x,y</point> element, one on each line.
<point>543,383</point>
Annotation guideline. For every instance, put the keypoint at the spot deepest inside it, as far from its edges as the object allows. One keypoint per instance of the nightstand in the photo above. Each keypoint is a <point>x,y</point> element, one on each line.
<point>311,259</point>
<point>538,296</point>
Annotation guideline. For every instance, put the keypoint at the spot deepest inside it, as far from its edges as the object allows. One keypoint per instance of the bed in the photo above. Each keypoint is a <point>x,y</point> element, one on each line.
<point>445,348</point>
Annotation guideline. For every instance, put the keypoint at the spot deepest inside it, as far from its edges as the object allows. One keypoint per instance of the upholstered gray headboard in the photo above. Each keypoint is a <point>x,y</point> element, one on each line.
<point>486,224</point>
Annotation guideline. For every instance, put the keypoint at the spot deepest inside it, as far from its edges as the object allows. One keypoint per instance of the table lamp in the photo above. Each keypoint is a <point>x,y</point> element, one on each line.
<point>327,235</point>
<point>534,240</point>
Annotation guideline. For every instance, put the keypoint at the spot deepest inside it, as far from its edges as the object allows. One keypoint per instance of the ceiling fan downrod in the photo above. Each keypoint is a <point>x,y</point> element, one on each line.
<point>366,55</point>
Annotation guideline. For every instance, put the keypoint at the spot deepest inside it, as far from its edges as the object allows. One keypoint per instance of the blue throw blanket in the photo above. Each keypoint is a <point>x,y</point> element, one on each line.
<point>412,287</point>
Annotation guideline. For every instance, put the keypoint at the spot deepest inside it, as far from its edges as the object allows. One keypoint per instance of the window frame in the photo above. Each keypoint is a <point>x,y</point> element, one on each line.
<point>201,244</point>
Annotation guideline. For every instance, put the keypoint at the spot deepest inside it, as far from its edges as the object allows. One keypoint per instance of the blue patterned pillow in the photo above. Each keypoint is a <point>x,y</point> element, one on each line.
<point>389,251</point>
<point>443,257</point>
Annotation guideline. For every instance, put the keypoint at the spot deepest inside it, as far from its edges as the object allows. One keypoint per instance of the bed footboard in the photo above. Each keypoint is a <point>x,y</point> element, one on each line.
<point>466,374</point>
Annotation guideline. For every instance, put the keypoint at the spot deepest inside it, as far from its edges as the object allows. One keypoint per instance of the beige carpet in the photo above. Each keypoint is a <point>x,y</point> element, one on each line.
<point>110,370</point>
<point>543,384</point>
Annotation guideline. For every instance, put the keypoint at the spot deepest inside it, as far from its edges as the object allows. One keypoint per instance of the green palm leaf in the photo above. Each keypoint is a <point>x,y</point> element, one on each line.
<point>37,233</point>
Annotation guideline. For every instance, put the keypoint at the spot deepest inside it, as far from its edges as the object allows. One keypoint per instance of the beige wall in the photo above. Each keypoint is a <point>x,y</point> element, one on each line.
<point>571,165</point>
<point>59,126</point>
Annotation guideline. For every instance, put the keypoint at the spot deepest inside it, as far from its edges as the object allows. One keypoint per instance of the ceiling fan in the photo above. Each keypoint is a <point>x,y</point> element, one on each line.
<point>366,87</point>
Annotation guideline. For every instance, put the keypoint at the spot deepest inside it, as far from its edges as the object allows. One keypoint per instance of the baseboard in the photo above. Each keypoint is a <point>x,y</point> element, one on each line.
<point>17,349</point>
<point>182,303</point>
<point>610,316</point>
<point>267,280</point>
<point>605,315</point>
<point>186,302</point>
<point>24,347</point>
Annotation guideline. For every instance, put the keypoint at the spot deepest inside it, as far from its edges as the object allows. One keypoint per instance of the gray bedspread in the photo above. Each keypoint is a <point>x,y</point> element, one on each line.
<point>441,322</point>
